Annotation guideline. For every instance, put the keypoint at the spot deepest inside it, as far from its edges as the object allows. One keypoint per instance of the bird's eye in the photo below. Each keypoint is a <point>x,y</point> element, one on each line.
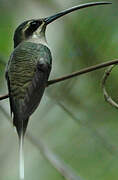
<point>35,24</point>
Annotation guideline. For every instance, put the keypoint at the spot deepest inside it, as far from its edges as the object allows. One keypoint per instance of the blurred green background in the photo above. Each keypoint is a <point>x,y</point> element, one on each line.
<point>73,119</point>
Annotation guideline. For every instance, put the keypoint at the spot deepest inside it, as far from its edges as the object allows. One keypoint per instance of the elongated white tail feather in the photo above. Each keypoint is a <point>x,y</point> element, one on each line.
<point>21,157</point>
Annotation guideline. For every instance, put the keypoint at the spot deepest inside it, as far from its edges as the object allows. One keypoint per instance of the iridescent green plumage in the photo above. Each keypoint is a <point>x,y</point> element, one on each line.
<point>27,73</point>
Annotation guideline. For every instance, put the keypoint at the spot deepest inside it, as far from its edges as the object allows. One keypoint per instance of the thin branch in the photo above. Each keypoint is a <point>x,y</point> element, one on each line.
<point>4,97</point>
<point>66,171</point>
<point>106,95</point>
<point>83,71</point>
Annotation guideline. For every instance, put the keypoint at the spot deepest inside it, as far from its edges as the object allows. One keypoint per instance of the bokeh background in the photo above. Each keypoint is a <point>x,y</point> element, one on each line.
<point>73,128</point>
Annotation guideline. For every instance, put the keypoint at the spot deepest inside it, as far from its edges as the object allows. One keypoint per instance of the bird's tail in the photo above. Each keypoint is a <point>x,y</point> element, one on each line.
<point>21,126</point>
<point>21,157</point>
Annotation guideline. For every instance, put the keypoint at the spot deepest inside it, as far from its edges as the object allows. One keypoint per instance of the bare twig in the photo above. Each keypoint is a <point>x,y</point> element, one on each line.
<point>65,171</point>
<point>4,97</point>
<point>83,71</point>
<point>106,95</point>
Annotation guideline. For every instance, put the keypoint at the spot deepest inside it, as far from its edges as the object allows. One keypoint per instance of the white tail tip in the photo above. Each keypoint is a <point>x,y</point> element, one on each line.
<point>21,159</point>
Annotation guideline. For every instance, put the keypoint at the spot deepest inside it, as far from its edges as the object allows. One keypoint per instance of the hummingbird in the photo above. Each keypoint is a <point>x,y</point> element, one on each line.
<point>28,70</point>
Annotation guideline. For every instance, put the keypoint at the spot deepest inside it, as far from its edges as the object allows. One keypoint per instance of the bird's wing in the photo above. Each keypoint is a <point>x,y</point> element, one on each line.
<point>36,88</point>
<point>8,84</point>
<point>27,74</point>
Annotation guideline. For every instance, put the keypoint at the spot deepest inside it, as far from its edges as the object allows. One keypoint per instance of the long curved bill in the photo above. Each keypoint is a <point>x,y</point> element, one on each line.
<point>52,18</point>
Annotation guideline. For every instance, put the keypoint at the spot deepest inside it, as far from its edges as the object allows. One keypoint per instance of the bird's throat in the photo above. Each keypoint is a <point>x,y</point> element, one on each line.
<point>38,39</point>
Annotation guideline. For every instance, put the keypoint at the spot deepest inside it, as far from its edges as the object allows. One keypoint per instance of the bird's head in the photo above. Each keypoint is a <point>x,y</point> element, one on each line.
<point>35,28</point>
<point>29,29</point>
